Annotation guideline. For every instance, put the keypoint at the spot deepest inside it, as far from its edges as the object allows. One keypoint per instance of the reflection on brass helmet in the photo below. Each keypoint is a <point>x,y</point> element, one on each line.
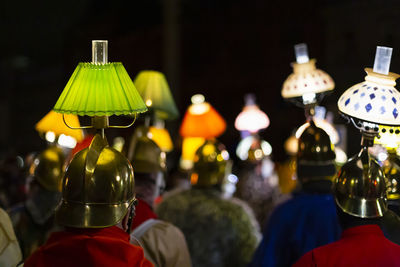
<point>360,187</point>
<point>98,187</point>
<point>391,168</point>
<point>47,168</point>
<point>210,164</point>
<point>255,152</point>
<point>315,146</point>
<point>147,157</point>
<point>315,155</point>
<point>253,149</point>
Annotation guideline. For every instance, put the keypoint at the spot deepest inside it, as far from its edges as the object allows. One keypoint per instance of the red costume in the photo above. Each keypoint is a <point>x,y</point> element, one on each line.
<point>143,212</point>
<point>103,247</point>
<point>359,246</point>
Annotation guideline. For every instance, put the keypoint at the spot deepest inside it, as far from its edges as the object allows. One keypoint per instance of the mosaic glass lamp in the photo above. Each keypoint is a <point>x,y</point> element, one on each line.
<point>360,187</point>
<point>53,122</point>
<point>375,101</point>
<point>202,120</point>
<point>154,89</point>
<point>252,118</point>
<point>100,89</point>
<point>306,85</point>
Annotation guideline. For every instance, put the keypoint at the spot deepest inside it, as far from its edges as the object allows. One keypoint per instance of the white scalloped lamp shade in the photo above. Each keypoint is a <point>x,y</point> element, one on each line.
<point>375,100</point>
<point>251,119</point>
<point>306,79</point>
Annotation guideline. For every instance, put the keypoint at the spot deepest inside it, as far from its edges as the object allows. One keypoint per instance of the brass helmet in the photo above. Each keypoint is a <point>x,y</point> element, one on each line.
<point>210,164</point>
<point>315,154</point>
<point>391,168</point>
<point>98,187</point>
<point>48,168</point>
<point>360,188</point>
<point>147,157</point>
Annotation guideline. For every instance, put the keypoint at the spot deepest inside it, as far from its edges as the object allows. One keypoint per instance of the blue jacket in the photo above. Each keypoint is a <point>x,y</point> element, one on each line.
<point>300,224</point>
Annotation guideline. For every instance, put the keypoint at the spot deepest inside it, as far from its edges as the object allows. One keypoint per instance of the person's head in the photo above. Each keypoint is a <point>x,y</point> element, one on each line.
<point>315,155</point>
<point>149,164</point>
<point>98,189</point>
<point>210,165</point>
<point>149,186</point>
<point>360,191</point>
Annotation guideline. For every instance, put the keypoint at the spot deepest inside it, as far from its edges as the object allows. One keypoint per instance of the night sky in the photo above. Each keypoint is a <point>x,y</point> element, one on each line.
<point>223,49</point>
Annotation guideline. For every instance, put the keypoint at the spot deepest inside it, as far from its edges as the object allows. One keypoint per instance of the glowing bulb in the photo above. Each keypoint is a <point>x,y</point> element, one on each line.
<point>309,98</point>
<point>233,178</point>
<point>382,156</point>
<point>66,141</point>
<point>50,136</point>
<point>199,108</point>
<point>149,102</point>
<point>197,99</point>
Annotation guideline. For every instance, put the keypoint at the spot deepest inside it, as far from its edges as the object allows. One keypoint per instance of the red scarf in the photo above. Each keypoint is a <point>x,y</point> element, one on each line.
<point>143,212</point>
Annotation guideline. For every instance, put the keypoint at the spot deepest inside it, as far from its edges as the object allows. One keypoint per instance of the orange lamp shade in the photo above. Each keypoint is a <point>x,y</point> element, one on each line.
<point>202,120</point>
<point>162,138</point>
<point>53,122</point>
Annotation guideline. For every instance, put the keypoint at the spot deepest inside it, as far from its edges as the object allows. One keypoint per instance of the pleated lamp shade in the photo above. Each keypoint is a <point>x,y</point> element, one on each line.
<point>202,120</point>
<point>162,138</point>
<point>53,122</point>
<point>154,89</point>
<point>100,90</point>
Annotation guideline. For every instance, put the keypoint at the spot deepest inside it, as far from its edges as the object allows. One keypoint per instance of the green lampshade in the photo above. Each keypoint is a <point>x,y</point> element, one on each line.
<point>100,90</point>
<point>154,89</point>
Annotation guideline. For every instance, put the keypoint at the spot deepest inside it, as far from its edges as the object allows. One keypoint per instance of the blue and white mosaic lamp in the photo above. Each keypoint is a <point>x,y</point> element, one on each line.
<point>360,187</point>
<point>375,101</point>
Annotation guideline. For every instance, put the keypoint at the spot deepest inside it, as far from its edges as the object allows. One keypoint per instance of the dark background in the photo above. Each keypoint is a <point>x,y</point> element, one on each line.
<point>221,48</point>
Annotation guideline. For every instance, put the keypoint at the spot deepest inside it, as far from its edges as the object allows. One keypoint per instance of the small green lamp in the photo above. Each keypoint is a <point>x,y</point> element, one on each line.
<point>154,89</point>
<point>100,89</point>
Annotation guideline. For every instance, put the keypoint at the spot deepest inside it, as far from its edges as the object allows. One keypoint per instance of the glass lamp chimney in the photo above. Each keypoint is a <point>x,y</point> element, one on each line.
<point>99,51</point>
<point>301,53</point>
<point>382,59</point>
